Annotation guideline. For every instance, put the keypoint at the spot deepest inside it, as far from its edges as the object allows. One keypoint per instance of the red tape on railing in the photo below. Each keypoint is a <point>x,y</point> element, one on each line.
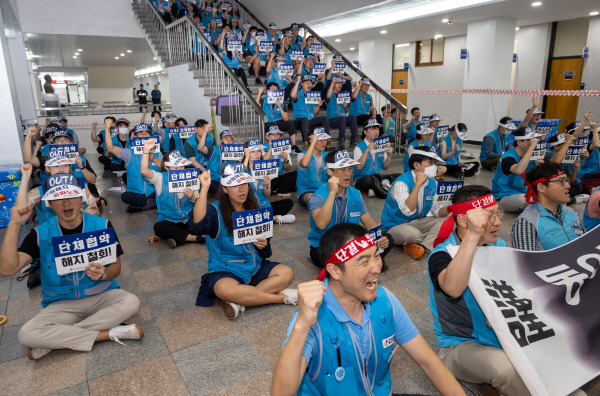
<point>489,91</point>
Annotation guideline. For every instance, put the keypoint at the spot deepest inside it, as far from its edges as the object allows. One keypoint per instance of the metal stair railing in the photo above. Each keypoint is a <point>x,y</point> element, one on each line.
<point>182,42</point>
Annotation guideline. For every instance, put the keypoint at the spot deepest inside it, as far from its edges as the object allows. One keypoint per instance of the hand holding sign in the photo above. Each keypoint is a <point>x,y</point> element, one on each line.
<point>95,271</point>
<point>148,146</point>
<point>260,243</point>
<point>79,162</point>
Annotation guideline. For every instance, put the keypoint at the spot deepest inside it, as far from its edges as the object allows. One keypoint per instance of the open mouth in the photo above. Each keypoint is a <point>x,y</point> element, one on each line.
<point>68,212</point>
<point>372,284</point>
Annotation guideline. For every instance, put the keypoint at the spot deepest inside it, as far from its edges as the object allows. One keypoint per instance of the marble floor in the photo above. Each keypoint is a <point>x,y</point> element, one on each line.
<point>188,349</point>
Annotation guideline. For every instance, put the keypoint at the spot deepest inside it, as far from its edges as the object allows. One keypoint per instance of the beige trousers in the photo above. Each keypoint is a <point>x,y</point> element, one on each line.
<point>423,231</point>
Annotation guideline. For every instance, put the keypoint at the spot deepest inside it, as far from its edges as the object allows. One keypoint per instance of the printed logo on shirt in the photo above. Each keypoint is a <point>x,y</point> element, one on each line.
<point>388,342</point>
<point>354,214</point>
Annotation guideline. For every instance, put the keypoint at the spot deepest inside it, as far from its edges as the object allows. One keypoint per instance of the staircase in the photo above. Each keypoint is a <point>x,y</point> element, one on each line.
<point>182,43</point>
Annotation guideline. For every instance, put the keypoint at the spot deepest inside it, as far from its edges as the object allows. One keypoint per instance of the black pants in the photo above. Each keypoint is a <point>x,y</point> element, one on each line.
<point>373,182</point>
<point>575,190</point>
<point>118,168</point>
<point>136,199</point>
<point>242,75</point>
<point>167,229</point>
<point>157,104</point>
<point>315,255</point>
<point>362,119</point>
<point>285,183</point>
<point>142,106</point>
<point>455,170</point>
<point>304,123</point>
<point>282,207</point>
<point>341,122</point>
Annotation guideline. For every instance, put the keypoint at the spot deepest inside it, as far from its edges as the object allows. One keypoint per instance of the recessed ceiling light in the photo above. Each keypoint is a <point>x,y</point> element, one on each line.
<point>383,32</point>
<point>116,57</point>
<point>338,40</point>
<point>437,36</point>
<point>594,13</point>
<point>445,20</point>
<point>517,28</point>
<point>76,53</point>
<point>154,58</point>
<point>352,48</point>
<point>79,49</point>
<point>129,51</point>
<point>536,4</point>
<point>74,57</point>
<point>402,45</point>
<point>122,54</point>
<point>516,41</point>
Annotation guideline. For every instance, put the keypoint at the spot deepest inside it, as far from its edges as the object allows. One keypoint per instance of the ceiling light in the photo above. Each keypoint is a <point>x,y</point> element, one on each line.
<point>517,28</point>
<point>129,51</point>
<point>536,4</point>
<point>437,36</point>
<point>383,32</point>
<point>74,57</point>
<point>516,41</point>
<point>372,14</point>
<point>338,40</point>
<point>352,48</point>
<point>154,58</point>
<point>122,54</point>
<point>79,49</point>
<point>594,13</point>
<point>116,57</point>
<point>445,20</point>
<point>76,53</point>
<point>402,45</point>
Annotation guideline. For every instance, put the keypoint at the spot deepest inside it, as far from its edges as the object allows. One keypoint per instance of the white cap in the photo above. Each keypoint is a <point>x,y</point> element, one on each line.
<point>342,160</point>
<point>428,154</point>
<point>62,186</point>
<point>175,159</point>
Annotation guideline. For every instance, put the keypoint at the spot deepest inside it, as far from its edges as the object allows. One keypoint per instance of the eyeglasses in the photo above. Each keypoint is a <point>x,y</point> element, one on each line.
<point>562,182</point>
<point>495,215</point>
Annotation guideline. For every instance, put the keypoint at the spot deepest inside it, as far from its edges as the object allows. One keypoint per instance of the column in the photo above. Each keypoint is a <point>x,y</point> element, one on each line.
<point>490,44</point>
<point>375,57</point>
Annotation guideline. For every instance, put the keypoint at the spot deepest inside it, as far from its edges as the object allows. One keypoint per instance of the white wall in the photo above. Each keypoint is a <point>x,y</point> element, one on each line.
<point>447,76</point>
<point>591,75</point>
<point>164,85</point>
<point>571,36</point>
<point>375,57</point>
<point>110,83</point>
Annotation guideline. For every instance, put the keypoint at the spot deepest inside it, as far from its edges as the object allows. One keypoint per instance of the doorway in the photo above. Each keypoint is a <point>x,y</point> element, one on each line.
<point>565,74</point>
<point>400,81</point>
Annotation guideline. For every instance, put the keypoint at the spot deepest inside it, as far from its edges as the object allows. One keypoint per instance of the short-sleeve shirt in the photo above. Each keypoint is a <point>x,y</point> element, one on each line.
<point>316,202</point>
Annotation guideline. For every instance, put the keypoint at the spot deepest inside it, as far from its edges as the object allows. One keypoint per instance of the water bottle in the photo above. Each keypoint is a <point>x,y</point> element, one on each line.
<point>462,174</point>
<point>123,187</point>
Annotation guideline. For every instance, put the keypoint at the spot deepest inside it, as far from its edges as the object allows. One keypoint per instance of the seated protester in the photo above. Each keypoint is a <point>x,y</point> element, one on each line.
<point>118,135</point>
<point>368,174</point>
<point>423,137</point>
<point>410,128</point>
<point>361,102</point>
<point>171,140</point>
<point>450,149</point>
<point>64,123</point>
<point>410,214</point>
<point>468,345</point>
<point>312,170</point>
<point>547,223</point>
<point>172,207</point>
<point>336,115</point>
<point>239,275</point>
<point>305,46</point>
<point>556,152</point>
<point>178,9</point>
<point>233,59</point>
<point>434,122</point>
<point>78,310</point>
<point>306,115</point>
<point>388,125</point>
<point>262,188</point>
<point>494,144</point>
<point>591,213</point>
<point>507,184</point>
<point>190,148</point>
<point>253,55</point>
<point>235,29</point>
<point>337,202</point>
<point>214,33</point>
<point>273,63</point>
<point>344,305</point>
<point>285,182</point>
<point>277,115</point>
<point>296,38</point>
<point>181,122</point>
<point>282,53</point>
<point>330,77</point>
<point>100,137</point>
<point>272,34</point>
<point>532,116</point>
<point>305,69</point>
<point>258,59</point>
<point>140,194</point>
<point>589,172</point>
<point>213,157</point>
<point>33,198</point>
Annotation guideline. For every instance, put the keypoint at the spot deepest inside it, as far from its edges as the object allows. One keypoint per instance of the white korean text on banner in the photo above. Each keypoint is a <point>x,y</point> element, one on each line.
<point>232,152</point>
<point>186,132</point>
<point>254,142</point>
<point>137,144</point>
<point>262,168</point>
<point>72,253</point>
<point>544,317</point>
<point>234,45</point>
<point>573,154</point>
<point>315,48</point>
<point>442,131</point>
<point>583,141</point>
<point>249,225</point>
<point>296,55</point>
<point>312,97</point>
<point>274,96</point>
<point>338,67</point>
<point>280,145</point>
<point>265,46</point>
<point>381,143</point>
<point>343,97</point>
<point>376,233</point>
<point>318,68</point>
<point>285,69</point>
<point>445,190</point>
<point>539,152</point>
<point>114,131</point>
<point>71,151</point>
<point>180,179</point>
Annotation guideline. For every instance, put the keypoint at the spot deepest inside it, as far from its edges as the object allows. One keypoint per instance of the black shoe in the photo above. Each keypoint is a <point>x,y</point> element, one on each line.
<point>134,209</point>
<point>257,81</point>
<point>296,149</point>
<point>201,239</point>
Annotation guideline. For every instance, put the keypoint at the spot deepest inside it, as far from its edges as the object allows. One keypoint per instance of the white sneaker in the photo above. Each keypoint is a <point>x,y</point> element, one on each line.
<point>371,193</point>
<point>290,296</point>
<point>286,219</point>
<point>385,183</point>
<point>37,353</point>
<point>581,198</point>
<point>125,332</point>
<point>231,310</point>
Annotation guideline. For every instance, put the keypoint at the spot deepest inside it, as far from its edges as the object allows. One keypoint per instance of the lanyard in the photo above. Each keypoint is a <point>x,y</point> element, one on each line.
<point>362,364</point>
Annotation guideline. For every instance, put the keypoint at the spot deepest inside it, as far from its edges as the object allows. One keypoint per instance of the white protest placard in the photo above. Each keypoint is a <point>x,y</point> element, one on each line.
<point>274,96</point>
<point>231,152</point>
<point>72,253</point>
<point>381,143</point>
<point>573,154</point>
<point>318,68</point>
<point>285,69</point>
<point>343,97</point>
<point>542,306</point>
<point>445,190</point>
<point>583,141</point>
<point>262,168</point>
<point>315,48</point>
<point>265,46</point>
<point>442,131</point>
<point>425,121</point>
<point>234,45</point>
<point>186,132</point>
<point>338,67</point>
<point>376,233</point>
<point>296,55</point>
<point>180,179</point>
<point>313,97</point>
<point>539,152</point>
<point>280,145</point>
<point>248,225</point>
<point>137,144</point>
<point>71,151</point>
<point>114,131</point>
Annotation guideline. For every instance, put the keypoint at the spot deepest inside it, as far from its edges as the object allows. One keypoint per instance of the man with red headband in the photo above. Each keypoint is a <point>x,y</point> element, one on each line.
<point>468,346</point>
<point>548,222</point>
<point>342,338</point>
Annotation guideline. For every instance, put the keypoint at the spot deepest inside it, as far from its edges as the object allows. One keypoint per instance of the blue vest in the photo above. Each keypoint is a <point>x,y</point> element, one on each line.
<point>166,142</point>
<point>319,378</point>
<point>415,143</point>
<point>193,142</point>
<point>136,183</point>
<point>301,109</point>
<point>74,170</point>
<point>70,286</point>
<point>117,143</point>
<point>392,216</point>
<point>411,132</point>
<point>233,62</point>
<point>308,180</point>
<point>551,233</point>
<point>499,145</point>
<point>589,222</point>
<point>447,312</point>
<point>503,185</point>
<point>259,193</point>
<point>276,78</point>
<point>351,213</point>
<point>389,127</point>
<point>223,255</point>
<point>592,164</point>
<point>272,111</point>
<point>334,109</point>
<point>215,165</point>
<point>273,156</point>
<point>169,206</point>
<point>361,105</point>
<point>371,166</point>
<point>453,159</point>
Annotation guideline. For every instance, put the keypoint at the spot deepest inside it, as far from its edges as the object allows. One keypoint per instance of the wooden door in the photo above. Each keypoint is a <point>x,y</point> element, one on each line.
<point>564,107</point>
<point>397,77</point>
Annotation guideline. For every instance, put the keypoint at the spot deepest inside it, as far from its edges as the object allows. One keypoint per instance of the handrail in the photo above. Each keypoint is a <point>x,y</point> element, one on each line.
<point>251,14</point>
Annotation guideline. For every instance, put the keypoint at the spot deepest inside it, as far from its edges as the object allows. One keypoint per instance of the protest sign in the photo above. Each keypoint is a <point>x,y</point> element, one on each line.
<point>186,132</point>
<point>248,225</point>
<point>70,151</point>
<point>262,168</point>
<point>231,152</point>
<point>381,143</point>
<point>339,67</point>
<point>539,152</point>
<point>280,145</point>
<point>313,97</point>
<point>318,68</point>
<point>315,48</point>
<point>296,55</point>
<point>285,69</point>
<point>72,253</point>
<point>343,97</point>
<point>265,46</point>
<point>445,190</point>
<point>274,96</point>
<point>234,45</point>
<point>137,144</point>
<point>180,179</point>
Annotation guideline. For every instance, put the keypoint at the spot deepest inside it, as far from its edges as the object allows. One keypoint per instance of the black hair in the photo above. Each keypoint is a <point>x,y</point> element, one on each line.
<point>336,237</point>
<point>269,85</point>
<point>545,169</point>
<point>155,112</point>
<point>413,109</point>
<point>110,118</point>
<point>460,126</point>
<point>330,157</point>
<point>519,132</point>
<point>553,139</point>
<point>417,157</point>
<point>141,85</point>
<point>469,193</point>
<point>181,119</point>
<point>200,123</point>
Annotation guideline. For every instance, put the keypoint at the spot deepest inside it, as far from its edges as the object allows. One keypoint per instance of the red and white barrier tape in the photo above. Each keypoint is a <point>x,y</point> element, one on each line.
<point>490,91</point>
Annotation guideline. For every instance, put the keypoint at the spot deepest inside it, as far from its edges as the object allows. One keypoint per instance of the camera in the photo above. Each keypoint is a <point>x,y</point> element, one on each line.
<point>449,21</point>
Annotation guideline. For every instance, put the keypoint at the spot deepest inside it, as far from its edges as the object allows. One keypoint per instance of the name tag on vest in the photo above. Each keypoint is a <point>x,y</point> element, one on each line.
<point>388,342</point>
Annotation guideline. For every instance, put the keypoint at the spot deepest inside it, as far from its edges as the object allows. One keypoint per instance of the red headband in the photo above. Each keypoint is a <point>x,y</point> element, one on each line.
<point>531,196</point>
<point>347,252</point>
<point>462,208</point>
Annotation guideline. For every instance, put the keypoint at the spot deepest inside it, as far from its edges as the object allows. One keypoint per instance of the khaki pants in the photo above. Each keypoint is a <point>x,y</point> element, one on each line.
<point>422,231</point>
<point>513,203</point>
<point>74,324</point>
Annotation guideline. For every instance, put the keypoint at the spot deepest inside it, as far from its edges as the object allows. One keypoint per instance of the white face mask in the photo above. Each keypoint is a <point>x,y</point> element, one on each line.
<point>430,171</point>
<point>123,131</point>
